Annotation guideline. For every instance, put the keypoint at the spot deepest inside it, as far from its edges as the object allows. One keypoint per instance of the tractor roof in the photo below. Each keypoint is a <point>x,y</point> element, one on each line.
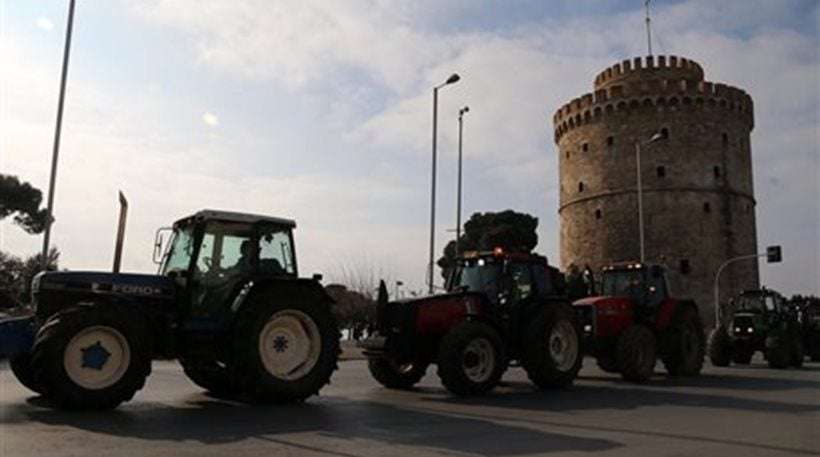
<point>626,266</point>
<point>499,253</point>
<point>231,216</point>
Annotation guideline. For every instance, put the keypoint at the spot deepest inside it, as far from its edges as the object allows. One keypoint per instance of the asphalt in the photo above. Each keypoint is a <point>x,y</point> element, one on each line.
<point>737,411</point>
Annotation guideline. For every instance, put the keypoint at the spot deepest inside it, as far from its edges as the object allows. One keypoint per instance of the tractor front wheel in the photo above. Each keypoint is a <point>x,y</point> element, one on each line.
<point>720,347</point>
<point>636,353</point>
<point>797,353</point>
<point>92,356</point>
<point>471,359</point>
<point>286,347</point>
<point>552,348</point>
<point>395,375</point>
<point>743,356</point>
<point>21,367</point>
<point>778,351</point>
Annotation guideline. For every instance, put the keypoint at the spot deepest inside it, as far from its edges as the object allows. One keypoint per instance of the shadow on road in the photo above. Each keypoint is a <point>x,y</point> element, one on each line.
<point>586,397</point>
<point>209,420</point>
<point>740,381</point>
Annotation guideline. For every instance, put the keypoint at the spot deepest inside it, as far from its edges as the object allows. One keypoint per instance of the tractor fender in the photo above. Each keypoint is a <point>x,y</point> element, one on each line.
<point>671,310</point>
<point>16,336</point>
<point>307,289</point>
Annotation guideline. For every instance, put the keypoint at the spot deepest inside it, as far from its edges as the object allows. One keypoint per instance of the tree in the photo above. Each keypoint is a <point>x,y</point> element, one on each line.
<point>510,230</point>
<point>16,275</point>
<point>23,200</point>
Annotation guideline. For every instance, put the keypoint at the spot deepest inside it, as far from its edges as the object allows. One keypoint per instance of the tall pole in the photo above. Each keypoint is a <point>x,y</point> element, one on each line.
<point>430,266</point>
<point>433,196</point>
<point>717,281</point>
<point>458,198</point>
<point>648,29</point>
<point>56,149</point>
<point>640,199</point>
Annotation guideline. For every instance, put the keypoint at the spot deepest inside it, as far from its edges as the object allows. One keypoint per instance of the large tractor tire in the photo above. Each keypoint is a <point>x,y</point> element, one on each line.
<point>608,364</point>
<point>21,367</point>
<point>720,347</point>
<point>797,353</point>
<point>396,376</point>
<point>552,348</point>
<point>471,359</point>
<point>637,353</point>
<point>285,348</point>
<point>92,356</point>
<point>742,356</point>
<point>687,346</point>
<point>211,376</point>
<point>779,351</point>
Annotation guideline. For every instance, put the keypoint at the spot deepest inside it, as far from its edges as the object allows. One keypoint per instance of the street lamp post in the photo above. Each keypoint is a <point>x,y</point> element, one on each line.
<point>638,144</point>
<point>56,149</point>
<point>461,113</point>
<point>772,254</point>
<point>452,79</point>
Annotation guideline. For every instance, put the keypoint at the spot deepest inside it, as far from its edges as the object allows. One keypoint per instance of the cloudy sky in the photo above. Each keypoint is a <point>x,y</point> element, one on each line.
<point>320,111</point>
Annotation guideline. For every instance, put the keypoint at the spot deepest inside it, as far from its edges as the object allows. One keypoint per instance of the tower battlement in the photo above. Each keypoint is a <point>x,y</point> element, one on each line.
<point>637,95</point>
<point>650,67</point>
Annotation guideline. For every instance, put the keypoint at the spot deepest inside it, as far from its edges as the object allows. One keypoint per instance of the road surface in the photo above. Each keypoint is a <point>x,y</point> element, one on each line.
<point>743,411</point>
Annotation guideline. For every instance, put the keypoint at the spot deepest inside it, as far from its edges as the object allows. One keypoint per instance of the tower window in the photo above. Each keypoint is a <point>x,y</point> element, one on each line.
<point>580,186</point>
<point>725,140</point>
<point>597,214</point>
<point>707,208</point>
<point>585,147</point>
<point>685,268</point>
<point>716,172</point>
<point>661,171</point>
<point>664,133</point>
<point>567,153</point>
<point>610,141</point>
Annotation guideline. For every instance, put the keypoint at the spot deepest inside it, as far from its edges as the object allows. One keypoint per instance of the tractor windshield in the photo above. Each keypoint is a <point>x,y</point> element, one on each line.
<point>755,303</point>
<point>180,251</point>
<point>477,275</point>
<point>622,283</point>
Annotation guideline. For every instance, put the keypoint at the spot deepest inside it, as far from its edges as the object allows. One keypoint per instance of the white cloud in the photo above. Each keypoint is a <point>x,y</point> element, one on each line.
<point>210,119</point>
<point>44,23</point>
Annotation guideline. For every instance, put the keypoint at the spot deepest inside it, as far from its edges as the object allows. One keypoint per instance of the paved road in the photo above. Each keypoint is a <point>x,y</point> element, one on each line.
<point>748,412</point>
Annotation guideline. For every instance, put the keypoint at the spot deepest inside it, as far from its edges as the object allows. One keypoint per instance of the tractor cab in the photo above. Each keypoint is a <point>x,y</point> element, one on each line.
<point>504,278</point>
<point>644,284</point>
<point>212,253</point>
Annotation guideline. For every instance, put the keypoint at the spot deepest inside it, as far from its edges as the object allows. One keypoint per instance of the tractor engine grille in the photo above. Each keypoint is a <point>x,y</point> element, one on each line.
<point>586,317</point>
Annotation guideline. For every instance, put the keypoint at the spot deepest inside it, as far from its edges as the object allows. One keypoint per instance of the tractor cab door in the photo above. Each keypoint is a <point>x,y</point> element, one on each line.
<point>656,290</point>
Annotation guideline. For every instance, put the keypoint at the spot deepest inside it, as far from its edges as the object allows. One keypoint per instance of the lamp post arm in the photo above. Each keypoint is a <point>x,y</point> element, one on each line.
<point>717,281</point>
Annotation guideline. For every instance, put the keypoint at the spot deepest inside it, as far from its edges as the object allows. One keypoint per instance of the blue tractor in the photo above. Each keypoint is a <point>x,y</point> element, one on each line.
<point>226,302</point>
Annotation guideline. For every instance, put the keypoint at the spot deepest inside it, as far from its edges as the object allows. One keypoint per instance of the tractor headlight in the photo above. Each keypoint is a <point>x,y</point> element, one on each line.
<point>737,329</point>
<point>750,330</point>
<point>587,328</point>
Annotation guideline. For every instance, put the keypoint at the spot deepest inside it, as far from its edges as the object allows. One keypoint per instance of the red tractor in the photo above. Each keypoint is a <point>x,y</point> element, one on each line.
<point>499,307</point>
<point>634,321</point>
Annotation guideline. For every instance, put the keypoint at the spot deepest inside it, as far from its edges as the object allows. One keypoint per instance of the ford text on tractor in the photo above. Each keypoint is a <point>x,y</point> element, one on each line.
<point>227,302</point>
<point>761,320</point>
<point>499,307</point>
<point>635,320</point>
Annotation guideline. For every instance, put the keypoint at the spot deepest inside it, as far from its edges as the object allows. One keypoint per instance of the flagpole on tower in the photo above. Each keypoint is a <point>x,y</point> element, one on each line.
<point>648,29</point>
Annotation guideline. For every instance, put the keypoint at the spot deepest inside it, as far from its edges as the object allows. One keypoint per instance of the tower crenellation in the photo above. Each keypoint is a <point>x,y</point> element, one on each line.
<point>697,183</point>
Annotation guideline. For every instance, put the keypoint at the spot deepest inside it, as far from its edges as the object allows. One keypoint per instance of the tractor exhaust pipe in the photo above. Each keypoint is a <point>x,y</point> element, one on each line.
<point>120,233</point>
<point>381,305</point>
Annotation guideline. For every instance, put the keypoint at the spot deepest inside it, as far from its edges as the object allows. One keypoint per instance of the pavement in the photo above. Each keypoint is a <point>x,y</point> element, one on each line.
<point>736,411</point>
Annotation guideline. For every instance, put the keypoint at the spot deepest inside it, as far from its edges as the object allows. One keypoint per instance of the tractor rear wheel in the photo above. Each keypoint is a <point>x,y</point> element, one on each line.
<point>687,345</point>
<point>396,375</point>
<point>779,351</point>
<point>21,367</point>
<point>286,347</point>
<point>608,364</point>
<point>211,376</point>
<point>720,347</point>
<point>92,356</point>
<point>552,348</point>
<point>471,359</point>
<point>636,353</point>
<point>797,353</point>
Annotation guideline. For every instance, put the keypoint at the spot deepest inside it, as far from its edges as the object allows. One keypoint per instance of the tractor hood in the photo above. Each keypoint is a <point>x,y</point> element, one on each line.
<point>604,302</point>
<point>132,284</point>
<point>435,299</point>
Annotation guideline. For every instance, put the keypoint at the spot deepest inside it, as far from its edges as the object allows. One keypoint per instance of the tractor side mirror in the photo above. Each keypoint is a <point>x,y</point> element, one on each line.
<point>159,241</point>
<point>318,277</point>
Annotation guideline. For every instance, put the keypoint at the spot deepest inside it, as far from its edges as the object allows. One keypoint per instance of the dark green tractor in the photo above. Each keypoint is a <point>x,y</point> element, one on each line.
<point>810,312</point>
<point>759,320</point>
